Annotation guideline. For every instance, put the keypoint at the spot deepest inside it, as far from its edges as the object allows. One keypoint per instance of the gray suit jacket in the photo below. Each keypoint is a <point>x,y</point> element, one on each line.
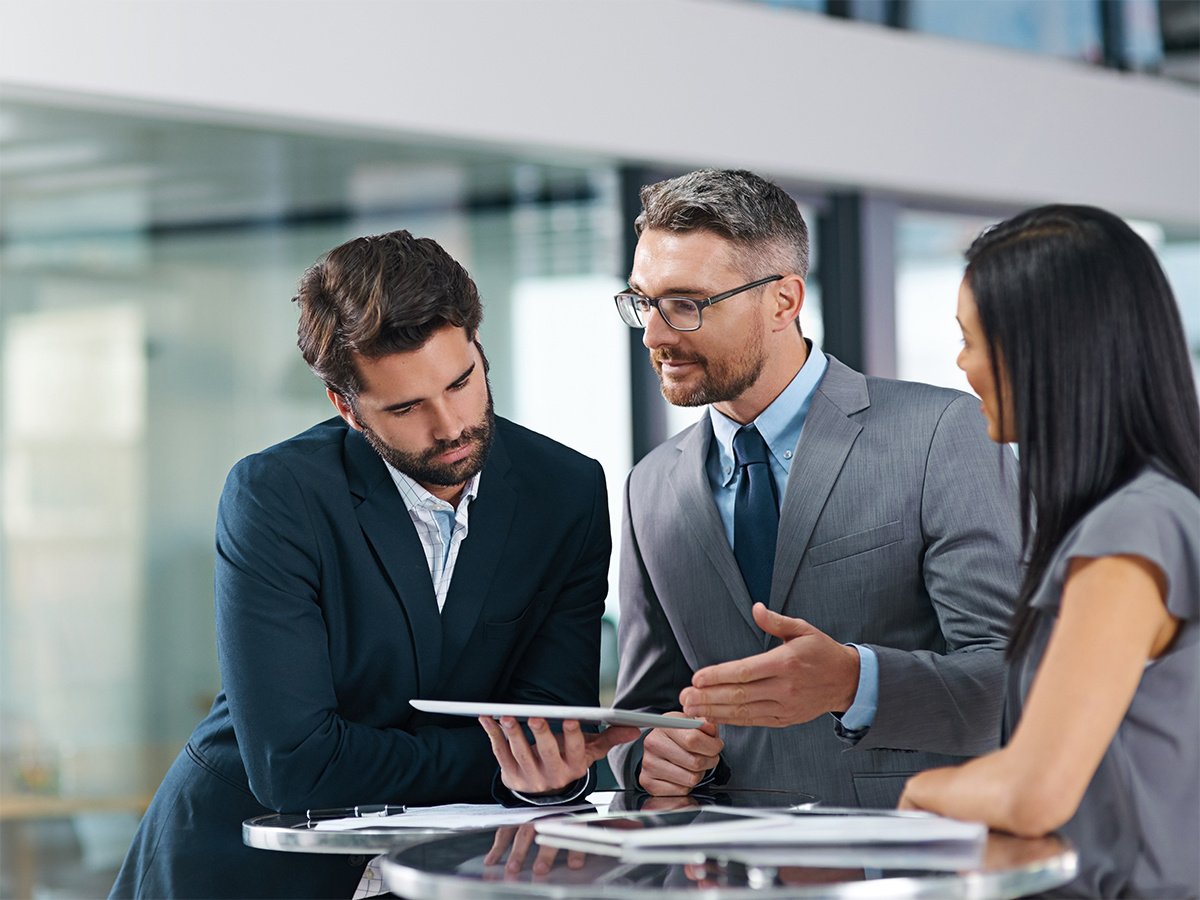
<point>899,530</point>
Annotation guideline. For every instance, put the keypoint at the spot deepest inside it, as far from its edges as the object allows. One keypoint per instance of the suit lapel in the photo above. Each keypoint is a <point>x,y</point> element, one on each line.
<point>689,480</point>
<point>824,444</point>
<point>489,521</point>
<point>387,527</point>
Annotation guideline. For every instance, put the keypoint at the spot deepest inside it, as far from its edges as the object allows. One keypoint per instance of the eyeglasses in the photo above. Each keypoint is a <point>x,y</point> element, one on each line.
<point>680,313</point>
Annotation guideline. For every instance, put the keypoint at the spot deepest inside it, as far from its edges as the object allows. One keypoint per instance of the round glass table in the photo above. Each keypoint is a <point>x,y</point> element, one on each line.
<point>295,834</point>
<point>292,833</point>
<point>514,861</point>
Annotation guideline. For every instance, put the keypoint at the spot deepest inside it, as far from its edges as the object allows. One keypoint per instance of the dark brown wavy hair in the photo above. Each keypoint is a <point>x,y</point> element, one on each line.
<point>378,295</point>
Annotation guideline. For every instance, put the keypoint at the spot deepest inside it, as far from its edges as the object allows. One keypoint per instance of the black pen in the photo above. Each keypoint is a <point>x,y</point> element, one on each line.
<point>354,812</point>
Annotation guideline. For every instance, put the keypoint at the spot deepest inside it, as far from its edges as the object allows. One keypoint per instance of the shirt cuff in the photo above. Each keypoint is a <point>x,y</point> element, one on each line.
<point>717,775</point>
<point>858,718</point>
<point>569,793</point>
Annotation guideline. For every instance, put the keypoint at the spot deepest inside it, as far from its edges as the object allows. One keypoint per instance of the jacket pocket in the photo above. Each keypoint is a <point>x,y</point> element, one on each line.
<point>525,615</point>
<point>854,544</point>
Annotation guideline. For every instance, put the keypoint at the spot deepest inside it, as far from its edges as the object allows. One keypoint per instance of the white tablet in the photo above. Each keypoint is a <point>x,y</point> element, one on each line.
<point>547,711</point>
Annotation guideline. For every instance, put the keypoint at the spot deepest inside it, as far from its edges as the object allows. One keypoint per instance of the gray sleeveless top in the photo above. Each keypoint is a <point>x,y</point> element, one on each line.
<point>1138,828</point>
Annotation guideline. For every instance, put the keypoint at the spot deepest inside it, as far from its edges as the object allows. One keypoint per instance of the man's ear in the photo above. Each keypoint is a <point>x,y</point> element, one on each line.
<point>343,407</point>
<point>789,300</point>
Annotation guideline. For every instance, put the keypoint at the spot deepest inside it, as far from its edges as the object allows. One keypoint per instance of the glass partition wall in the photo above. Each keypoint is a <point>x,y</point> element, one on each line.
<point>147,341</point>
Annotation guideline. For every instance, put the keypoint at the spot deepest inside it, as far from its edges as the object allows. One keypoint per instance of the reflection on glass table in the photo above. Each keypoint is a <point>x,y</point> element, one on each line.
<point>513,862</point>
<point>635,801</point>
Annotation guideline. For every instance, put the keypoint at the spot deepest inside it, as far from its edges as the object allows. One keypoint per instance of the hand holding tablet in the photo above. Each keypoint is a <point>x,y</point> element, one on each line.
<point>549,711</point>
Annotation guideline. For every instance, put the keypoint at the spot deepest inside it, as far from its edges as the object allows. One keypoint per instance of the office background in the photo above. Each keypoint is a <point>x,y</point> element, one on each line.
<point>168,170</point>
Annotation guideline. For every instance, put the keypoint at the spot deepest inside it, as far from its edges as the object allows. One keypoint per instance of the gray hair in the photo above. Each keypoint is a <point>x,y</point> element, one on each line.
<point>754,214</point>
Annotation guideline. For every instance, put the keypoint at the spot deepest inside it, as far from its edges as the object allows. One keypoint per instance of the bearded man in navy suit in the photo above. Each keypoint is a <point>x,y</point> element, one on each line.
<point>415,545</point>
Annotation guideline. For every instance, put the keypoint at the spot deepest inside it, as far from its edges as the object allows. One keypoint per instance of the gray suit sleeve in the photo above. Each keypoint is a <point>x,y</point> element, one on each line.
<point>653,670</point>
<point>951,701</point>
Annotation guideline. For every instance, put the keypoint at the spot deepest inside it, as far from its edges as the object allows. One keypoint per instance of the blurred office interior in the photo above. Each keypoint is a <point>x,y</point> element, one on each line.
<point>168,170</point>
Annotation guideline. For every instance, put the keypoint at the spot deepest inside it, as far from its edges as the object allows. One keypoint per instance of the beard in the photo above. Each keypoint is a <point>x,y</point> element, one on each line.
<point>423,467</point>
<point>720,381</point>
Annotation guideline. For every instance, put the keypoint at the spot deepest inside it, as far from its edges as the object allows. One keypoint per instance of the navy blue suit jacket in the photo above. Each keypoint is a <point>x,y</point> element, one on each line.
<point>327,625</point>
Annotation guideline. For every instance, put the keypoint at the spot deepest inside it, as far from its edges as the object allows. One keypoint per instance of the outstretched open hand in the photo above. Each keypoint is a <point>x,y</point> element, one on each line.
<point>808,675</point>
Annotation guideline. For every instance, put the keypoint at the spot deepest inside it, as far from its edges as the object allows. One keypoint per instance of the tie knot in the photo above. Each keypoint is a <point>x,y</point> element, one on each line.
<point>748,446</point>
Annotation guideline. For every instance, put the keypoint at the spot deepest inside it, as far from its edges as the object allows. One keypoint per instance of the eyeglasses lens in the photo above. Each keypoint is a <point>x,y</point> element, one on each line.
<point>678,312</point>
<point>681,314</point>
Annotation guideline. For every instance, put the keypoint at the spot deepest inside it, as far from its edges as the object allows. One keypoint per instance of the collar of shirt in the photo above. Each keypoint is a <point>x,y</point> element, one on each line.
<point>416,497</point>
<point>779,424</point>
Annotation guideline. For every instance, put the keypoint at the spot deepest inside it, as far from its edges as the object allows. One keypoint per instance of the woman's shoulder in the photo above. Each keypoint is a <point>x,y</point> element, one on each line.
<point>1154,517</point>
<point>1150,494</point>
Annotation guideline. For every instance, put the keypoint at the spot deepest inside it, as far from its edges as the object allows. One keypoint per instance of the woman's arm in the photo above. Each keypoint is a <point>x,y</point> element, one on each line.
<point>1113,618</point>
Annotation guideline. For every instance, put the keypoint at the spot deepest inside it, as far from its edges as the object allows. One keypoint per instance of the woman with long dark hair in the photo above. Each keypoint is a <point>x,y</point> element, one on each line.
<point>1073,341</point>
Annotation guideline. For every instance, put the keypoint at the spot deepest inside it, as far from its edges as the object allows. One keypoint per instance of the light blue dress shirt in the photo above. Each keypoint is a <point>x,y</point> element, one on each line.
<point>780,425</point>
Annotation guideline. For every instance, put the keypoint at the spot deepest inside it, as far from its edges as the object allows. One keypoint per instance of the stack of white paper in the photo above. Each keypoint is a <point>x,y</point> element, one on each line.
<point>450,816</point>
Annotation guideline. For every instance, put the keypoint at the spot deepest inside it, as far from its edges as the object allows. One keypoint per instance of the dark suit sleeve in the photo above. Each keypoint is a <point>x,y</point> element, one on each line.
<point>950,702</point>
<point>653,669</point>
<point>274,648</point>
<point>560,662</point>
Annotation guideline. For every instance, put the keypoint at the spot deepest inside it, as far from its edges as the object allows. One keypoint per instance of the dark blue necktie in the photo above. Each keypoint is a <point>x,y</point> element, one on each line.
<point>755,513</point>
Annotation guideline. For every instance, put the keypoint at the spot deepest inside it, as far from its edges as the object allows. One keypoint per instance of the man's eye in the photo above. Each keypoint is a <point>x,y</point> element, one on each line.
<point>403,411</point>
<point>677,305</point>
<point>459,385</point>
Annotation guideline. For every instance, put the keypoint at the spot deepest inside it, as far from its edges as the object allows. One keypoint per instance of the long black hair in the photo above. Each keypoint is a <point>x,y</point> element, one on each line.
<point>1085,335</point>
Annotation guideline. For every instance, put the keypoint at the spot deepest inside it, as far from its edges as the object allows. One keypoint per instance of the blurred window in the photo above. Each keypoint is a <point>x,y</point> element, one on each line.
<point>929,268</point>
<point>148,341</point>
<point>1064,28</point>
<point>1159,36</point>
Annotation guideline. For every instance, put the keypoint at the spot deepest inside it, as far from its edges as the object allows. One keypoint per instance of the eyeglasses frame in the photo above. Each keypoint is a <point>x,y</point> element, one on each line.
<point>701,305</point>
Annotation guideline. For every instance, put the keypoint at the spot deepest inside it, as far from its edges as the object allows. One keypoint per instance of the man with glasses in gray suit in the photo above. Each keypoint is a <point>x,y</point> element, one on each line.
<point>823,566</point>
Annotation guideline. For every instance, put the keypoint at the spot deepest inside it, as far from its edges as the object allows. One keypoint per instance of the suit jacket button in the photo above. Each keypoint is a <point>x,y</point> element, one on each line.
<point>356,860</point>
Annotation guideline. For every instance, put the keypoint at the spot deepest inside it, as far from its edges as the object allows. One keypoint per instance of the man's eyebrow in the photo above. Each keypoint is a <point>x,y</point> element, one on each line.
<point>464,376</point>
<point>669,292</point>
<point>402,404</point>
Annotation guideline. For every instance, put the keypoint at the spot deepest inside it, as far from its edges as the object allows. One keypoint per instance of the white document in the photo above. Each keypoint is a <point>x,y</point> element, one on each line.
<point>451,816</point>
<point>549,711</point>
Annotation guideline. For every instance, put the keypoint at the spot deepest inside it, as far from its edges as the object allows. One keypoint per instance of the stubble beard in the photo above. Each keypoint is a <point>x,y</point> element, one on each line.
<point>423,467</point>
<point>721,381</point>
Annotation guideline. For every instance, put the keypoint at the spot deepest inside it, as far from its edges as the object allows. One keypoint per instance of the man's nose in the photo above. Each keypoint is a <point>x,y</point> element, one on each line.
<point>657,332</point>
<point>447,423</point>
